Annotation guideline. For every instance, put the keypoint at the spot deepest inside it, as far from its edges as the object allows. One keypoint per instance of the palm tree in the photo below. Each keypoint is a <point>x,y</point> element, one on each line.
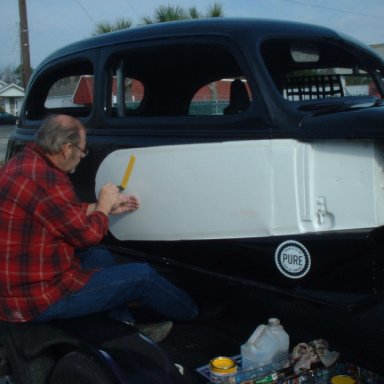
<point>194,13</point>
<point>174,13</point>
<point>162,14</point>
<point>166,13</point>
<point>105,27</point>
<point>215,10</point>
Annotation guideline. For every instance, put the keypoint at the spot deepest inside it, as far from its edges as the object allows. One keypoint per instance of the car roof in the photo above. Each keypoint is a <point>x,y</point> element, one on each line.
<point>231,27</point>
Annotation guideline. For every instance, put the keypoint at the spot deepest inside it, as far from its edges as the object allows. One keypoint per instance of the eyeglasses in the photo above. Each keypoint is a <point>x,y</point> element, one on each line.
<point>84,151</point>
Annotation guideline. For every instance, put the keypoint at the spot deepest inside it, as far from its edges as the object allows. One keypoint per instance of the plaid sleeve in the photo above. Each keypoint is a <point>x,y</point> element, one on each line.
<point>65,217</point>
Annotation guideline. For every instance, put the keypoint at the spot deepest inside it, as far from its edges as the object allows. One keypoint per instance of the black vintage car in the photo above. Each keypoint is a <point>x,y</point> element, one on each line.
<point>261,140</point>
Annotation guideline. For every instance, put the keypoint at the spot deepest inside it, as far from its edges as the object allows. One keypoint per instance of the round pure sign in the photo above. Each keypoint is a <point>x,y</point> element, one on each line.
<point>292,259</point>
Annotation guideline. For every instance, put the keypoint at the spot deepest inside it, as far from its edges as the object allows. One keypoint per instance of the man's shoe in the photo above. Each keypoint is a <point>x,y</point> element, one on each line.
<point>155,331</point>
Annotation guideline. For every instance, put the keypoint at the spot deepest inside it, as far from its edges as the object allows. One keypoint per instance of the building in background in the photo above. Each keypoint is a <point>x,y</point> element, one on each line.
<point>379,48</point>
<point>11,98</point>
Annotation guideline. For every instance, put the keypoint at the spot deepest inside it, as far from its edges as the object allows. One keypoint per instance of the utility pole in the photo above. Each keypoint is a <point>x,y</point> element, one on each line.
<point>24,43</point>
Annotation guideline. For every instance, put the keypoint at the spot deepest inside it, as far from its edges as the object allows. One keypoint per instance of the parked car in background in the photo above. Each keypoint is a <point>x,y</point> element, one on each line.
<point>7,119</point>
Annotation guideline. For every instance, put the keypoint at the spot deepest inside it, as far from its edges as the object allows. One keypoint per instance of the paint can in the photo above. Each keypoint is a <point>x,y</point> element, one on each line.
<point>343,379</point>
<point>222,370</point>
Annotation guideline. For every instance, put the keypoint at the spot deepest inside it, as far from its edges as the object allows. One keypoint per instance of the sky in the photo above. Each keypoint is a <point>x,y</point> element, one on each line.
<point>53,24</point>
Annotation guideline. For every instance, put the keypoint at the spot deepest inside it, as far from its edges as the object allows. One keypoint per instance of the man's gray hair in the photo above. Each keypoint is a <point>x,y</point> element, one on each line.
<point>56,131</point>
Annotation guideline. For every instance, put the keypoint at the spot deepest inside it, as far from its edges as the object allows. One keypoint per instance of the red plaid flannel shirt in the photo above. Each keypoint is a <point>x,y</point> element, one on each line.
<point>41,223</point>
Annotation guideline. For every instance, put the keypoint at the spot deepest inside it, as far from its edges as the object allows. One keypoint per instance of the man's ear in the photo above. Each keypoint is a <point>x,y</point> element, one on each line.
<point>66,150</point>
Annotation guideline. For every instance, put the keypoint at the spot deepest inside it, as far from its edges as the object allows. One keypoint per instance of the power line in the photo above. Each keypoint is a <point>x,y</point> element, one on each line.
<point>333,9</point>
<point>131,6</point>
<point>86,12</point>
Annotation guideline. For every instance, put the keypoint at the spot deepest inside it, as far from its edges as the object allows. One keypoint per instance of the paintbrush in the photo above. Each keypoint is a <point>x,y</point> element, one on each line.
<point>127,174</point>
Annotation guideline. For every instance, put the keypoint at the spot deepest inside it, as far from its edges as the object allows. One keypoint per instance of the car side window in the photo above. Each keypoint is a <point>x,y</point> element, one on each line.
<point>222,97</point>
<point>71,92</point>
<point>125,93</point>
<point>67,88</point>
<point>180,79</point>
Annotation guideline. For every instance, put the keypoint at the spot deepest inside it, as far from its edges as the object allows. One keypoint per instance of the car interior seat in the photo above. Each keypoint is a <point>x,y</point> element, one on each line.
<point>238,98</point>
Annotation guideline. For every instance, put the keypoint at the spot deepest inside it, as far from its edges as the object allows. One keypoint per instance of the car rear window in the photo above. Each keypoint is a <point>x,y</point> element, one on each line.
<point>312,70</point>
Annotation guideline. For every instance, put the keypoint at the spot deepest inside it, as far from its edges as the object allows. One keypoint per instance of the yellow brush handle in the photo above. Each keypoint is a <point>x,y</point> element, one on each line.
<point>128,171</point>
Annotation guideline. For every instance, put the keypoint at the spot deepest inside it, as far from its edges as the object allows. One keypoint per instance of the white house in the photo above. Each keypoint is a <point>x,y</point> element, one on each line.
<point>11,97</point>
<point>379,48</point>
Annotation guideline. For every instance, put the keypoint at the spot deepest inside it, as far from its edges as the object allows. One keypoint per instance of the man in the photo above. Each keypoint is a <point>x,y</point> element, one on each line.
<point>49,267</point>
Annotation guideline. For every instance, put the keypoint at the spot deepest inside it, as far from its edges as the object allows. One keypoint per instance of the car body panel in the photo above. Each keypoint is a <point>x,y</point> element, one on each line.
<point>248,189</point>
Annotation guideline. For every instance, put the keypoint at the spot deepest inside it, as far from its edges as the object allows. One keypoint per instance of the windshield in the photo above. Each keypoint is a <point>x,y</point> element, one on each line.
<point>304,71</point>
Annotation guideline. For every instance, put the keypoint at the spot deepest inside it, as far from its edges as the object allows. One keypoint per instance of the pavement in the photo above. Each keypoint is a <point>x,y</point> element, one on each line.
<point>358,336</point>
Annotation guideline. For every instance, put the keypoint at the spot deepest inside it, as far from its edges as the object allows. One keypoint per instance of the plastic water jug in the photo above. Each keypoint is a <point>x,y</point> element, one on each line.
<point>267,346</point>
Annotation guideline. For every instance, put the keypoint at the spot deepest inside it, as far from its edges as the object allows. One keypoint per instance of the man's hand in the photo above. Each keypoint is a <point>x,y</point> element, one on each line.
<point>109,196</point>
<point>126,203</point>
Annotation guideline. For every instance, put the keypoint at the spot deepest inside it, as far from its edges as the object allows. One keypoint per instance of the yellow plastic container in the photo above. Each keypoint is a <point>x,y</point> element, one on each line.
<point>222,367</point>
<point>343,379</point>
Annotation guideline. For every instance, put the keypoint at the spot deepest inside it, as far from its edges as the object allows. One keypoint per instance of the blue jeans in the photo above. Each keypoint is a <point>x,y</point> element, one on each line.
<point>115,285</point>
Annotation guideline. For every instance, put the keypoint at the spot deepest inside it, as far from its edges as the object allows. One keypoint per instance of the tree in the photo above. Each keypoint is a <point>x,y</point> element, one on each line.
<point>105,27</point>
<point>174,13</point>
<point>166,13</point>
<point>194,13</point>
<point>10,75</point>
<point>215,10</point>
<point>162,14</point>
